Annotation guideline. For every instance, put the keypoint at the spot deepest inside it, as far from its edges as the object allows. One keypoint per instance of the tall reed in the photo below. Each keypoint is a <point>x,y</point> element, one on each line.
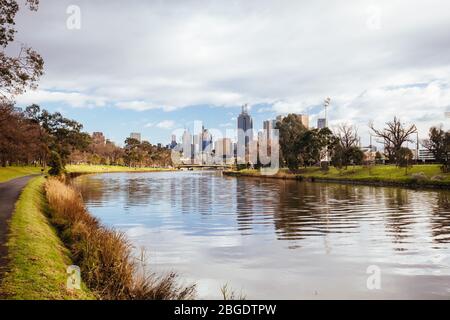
<point>105,255</point>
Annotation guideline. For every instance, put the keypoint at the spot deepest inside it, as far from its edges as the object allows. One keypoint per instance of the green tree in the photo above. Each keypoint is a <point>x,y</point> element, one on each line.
<point>21,71</point>
<point>346,150</point>
<point>404,158</point>
<point>55,163</point>
<point>291,131</point>
<point>62,135</point>
<point>438,143</point>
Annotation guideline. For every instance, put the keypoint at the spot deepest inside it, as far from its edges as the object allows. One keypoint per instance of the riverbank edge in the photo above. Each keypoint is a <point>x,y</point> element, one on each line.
<point>378,183</point>
<point>37,258</point>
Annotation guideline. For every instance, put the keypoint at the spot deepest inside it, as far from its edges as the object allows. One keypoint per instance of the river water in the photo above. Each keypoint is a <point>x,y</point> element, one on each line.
<point>280,239</point>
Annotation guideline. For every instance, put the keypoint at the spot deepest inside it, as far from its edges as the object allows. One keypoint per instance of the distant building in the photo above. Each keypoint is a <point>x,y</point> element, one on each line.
<point>206,139</point>
<point>98,138</point>
<point>245,132</point>
<point>173,143</point>
<point>224,150</point>
<point>269,126</point>
<point>321,123</point>
<point>426,155</point>
<point>305,120</point>
<point>187,147</point>
<point>135,135</point>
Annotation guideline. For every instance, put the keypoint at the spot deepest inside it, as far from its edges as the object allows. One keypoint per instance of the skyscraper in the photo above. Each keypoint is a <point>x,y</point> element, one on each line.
<point>321,123</point>
<point>245,132</point>
<point>305,120</point>
<point>135,135</point>
<point>173,143</point>
<point>268,126</point>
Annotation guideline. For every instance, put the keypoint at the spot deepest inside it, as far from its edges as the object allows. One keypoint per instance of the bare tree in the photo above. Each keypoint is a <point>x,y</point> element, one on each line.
<point>394,135</point>
<point>348,136</point>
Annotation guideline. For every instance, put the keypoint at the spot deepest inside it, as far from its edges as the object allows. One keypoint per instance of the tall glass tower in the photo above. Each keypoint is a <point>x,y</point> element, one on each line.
<point>245,130</point>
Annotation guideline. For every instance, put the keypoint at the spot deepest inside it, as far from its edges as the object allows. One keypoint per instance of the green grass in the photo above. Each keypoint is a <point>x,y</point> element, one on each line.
<point>9,173</point>
<point>37,259</point>
<point>379,173</point>
<point>85,168</point>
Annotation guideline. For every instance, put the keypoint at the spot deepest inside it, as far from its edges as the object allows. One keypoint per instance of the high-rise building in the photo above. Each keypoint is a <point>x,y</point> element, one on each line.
<point>206,139</point>
<point>224,148</point>
<point>135,135</point>
<point>268,127</point>
<point>321,123</point>
<point>98,138</point>
<point>187,147</point>
<point>305,120</point>
<point>280,118</point>
<point>245,132</point>
<point>173,143</point>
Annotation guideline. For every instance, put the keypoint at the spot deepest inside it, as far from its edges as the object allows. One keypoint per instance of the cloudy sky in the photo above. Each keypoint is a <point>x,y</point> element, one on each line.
<point>154,66</point>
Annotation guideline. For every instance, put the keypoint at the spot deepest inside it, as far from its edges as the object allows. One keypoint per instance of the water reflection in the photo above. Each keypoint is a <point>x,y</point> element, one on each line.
<point>316,240</point>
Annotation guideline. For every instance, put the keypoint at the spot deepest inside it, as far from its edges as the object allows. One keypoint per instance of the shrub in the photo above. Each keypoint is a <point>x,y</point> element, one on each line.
<point>55,163</point>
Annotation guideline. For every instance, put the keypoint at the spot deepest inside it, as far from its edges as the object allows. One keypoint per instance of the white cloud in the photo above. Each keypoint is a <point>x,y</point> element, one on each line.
<point>166,124</point>
<point>291,55</point>
<point>74,99</point>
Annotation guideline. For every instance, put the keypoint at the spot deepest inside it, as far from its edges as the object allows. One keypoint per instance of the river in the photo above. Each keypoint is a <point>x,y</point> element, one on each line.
<point>281,239</point>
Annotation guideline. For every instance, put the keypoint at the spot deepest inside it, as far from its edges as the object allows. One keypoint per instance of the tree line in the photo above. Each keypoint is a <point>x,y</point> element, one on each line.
<point>300,146</point>
<point>37,136</point>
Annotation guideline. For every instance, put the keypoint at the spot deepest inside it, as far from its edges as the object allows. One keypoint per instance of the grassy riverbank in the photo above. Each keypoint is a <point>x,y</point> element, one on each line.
<point>419,175</point>
<point>37,258</point>
<point>85,168</point>
<point>12,172</point>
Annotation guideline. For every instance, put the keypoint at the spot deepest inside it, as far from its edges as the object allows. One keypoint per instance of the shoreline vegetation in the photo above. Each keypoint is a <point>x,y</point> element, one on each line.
<point>418,176</point>
<point>37,258</point>
<point>104,255</point>
<point>51,230</point>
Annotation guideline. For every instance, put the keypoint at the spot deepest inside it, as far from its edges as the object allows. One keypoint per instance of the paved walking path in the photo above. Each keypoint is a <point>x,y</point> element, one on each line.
<point>9,193</point>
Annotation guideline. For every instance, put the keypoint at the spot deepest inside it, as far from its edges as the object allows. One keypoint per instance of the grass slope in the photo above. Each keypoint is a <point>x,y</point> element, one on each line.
<point>9,173</point>
<point>380,173</point>
<point>37,259</point>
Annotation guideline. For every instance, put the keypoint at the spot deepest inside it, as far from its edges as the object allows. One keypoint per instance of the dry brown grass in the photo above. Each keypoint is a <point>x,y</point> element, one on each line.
<point>105,255</point>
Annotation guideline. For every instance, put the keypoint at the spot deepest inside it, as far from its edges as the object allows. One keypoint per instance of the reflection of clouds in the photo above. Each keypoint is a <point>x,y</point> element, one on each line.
<point>281,239</point>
